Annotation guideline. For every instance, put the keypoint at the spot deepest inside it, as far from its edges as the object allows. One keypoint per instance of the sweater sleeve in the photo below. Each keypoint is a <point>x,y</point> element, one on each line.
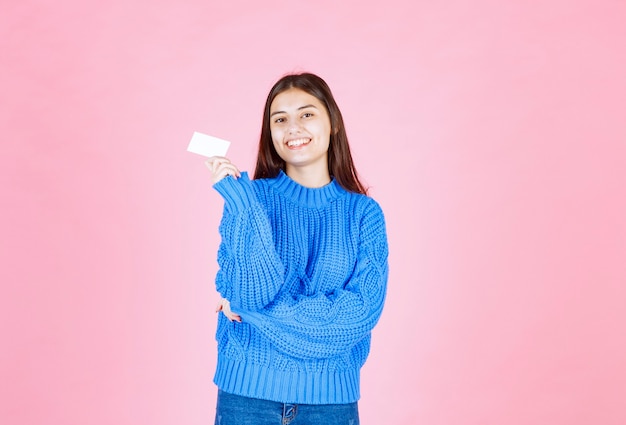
<point>251,272</point>
<point>325,325</point>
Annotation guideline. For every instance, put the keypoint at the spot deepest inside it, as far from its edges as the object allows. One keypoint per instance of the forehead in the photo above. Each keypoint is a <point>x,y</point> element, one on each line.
<point>292,99</point>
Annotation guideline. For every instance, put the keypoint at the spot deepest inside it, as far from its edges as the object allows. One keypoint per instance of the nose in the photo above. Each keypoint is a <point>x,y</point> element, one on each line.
<point>294,127</point>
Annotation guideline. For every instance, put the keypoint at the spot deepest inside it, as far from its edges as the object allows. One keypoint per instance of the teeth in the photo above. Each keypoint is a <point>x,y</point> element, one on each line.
<point>297,142</point>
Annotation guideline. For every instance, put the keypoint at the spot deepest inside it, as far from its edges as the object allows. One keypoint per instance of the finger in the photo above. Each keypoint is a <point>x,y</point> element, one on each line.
<point>217,158</point>
<point>233,317</point>
<point>232,170</point>
<point>223,170</point>
<point>228,312</point>
<point>211,161</point>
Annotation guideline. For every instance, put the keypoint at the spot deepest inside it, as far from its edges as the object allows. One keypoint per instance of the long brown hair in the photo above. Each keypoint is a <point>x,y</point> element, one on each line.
<point>340,164</point>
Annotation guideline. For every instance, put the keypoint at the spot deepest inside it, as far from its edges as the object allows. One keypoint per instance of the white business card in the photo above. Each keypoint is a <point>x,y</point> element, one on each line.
<point>208,146</point>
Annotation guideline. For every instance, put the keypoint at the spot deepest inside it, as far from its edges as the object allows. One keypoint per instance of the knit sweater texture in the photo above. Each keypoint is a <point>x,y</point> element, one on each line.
<point>306,269</point>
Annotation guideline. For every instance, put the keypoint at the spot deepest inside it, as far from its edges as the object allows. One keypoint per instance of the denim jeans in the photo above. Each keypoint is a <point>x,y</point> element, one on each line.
<point>237,410</point>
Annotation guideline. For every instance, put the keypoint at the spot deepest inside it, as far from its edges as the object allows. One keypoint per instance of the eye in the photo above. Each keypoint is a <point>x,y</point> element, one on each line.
<point>279,120</point>
<point>307,115</point>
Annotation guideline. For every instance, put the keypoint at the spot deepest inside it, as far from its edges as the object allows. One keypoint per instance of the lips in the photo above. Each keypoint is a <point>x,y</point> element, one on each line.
<point>294,143</point>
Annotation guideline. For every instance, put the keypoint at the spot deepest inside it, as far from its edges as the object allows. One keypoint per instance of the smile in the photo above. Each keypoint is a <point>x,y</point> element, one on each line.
<point>298,142</point>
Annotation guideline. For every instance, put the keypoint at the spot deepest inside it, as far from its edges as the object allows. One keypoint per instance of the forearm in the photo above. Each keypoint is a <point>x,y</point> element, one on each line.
<point>251,272</point>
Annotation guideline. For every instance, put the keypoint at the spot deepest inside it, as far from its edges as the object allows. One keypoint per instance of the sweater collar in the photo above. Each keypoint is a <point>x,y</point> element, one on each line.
<point>307,196</point>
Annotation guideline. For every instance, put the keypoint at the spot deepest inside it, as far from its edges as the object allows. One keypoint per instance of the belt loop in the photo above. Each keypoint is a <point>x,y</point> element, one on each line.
<point>289,412</point>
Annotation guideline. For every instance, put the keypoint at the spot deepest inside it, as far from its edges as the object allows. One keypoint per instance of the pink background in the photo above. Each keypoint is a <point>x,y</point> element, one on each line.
<point>491,132</point>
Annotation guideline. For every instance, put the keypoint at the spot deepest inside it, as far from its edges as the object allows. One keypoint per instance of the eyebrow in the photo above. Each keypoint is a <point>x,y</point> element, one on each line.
<point>301,107</point>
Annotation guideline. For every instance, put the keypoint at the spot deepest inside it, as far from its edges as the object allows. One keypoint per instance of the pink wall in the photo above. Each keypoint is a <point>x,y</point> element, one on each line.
<point>492,133</point>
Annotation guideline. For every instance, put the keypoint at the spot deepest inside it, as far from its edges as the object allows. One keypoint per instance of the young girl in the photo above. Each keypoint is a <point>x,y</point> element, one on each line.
<point>303,268</point>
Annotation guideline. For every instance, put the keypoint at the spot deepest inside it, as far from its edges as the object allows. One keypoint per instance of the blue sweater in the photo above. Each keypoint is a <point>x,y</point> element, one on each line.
<point>306,269</point>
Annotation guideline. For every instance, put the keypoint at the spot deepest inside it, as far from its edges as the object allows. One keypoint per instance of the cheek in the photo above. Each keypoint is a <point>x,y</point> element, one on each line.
<point>324,132</point>
<point>277,136</point>
<point>323,128</point>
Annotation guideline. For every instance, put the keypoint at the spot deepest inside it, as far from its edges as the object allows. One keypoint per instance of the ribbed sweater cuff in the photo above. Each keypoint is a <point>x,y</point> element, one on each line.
<point>238,193</point>
<point>287,386</point>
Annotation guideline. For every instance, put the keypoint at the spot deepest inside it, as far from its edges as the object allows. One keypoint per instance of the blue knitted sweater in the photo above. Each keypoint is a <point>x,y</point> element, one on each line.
<point>306,269</point>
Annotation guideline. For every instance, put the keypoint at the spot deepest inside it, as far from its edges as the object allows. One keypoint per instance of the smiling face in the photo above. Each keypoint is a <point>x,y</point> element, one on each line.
<point>300,127</point>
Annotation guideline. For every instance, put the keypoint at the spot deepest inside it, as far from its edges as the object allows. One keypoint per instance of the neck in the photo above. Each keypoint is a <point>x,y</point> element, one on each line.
<point>309,177</point>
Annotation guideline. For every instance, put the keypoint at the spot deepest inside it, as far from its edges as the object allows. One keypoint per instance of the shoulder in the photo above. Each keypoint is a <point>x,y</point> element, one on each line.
<point>371,223</point>
<point>365,204</point>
